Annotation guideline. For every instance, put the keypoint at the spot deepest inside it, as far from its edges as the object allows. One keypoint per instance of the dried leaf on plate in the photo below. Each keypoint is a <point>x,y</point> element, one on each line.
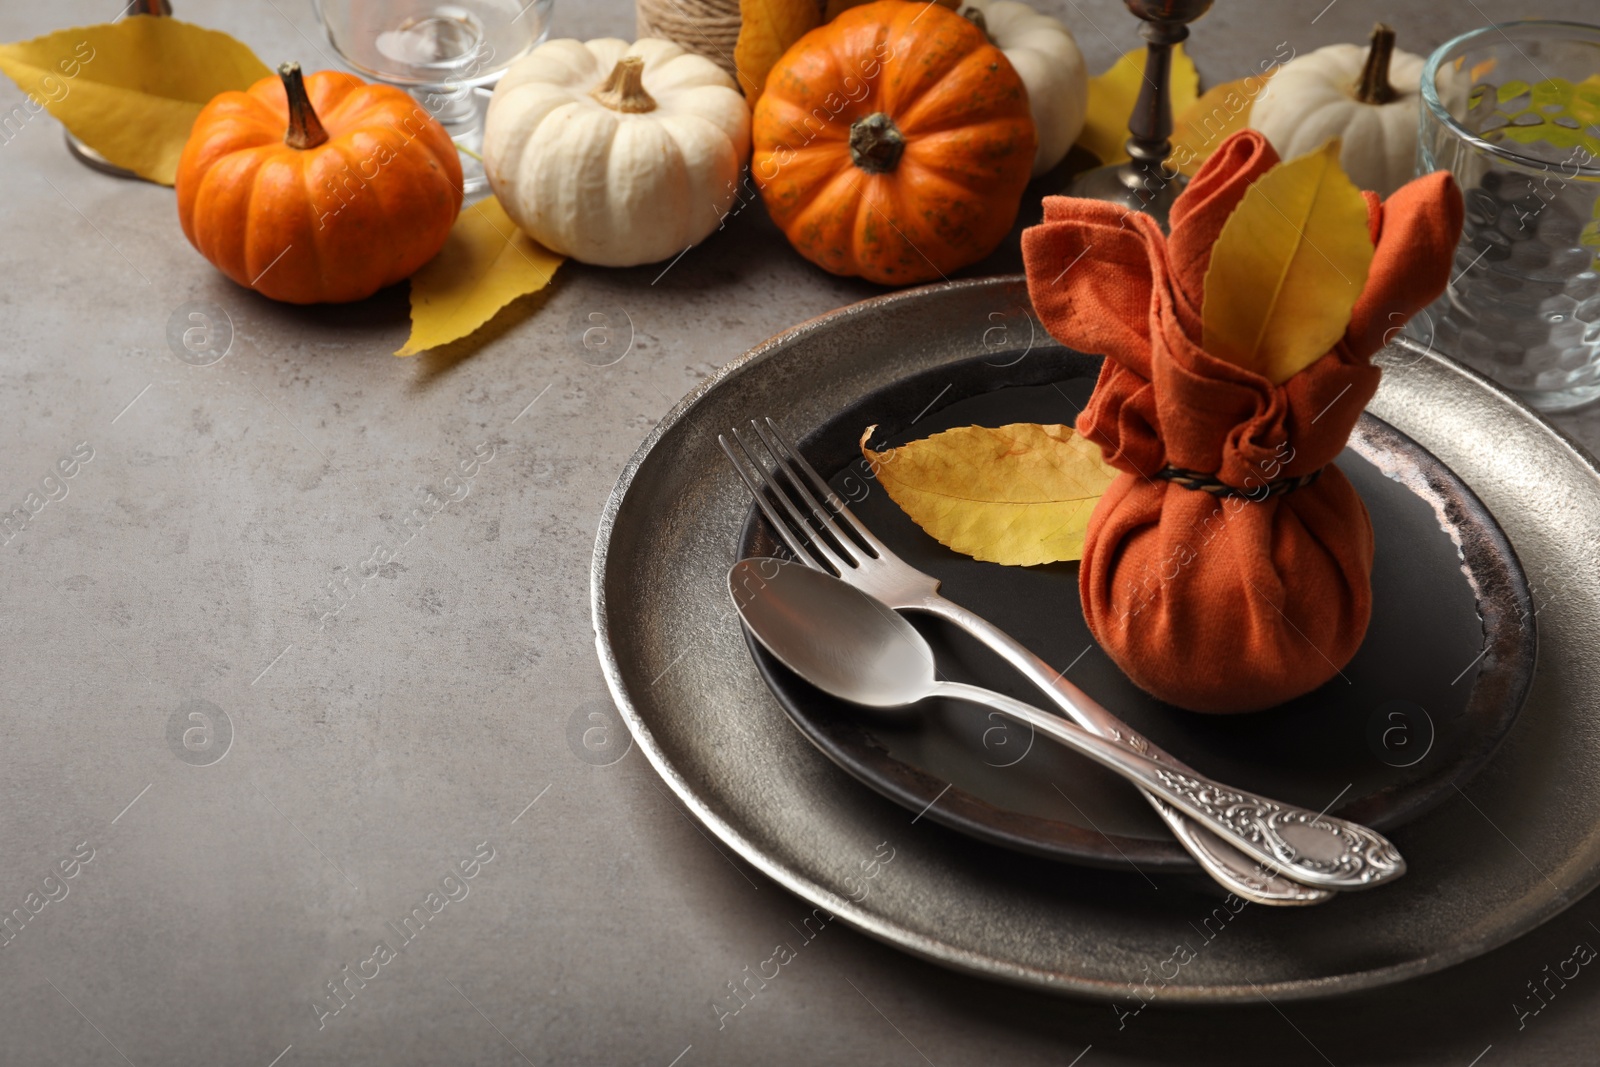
<point>1221,111</point>
<point>1018,495</point>
<point>766,30</point>
<point>1113,94</point>
<point>1287,268</point>
<point>485,264</point>
<point>131,89</point>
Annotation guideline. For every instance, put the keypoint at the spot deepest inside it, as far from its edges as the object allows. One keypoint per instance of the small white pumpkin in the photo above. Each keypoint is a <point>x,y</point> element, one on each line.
<point>1369,97</point>
<point>1047,59</point>
<point>616,154</point>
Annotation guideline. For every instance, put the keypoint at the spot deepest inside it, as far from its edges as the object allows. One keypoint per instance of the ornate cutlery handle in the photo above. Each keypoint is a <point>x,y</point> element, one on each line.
<point>1316,849</point>
<point>1319,849</point>
<point>1230,867</point>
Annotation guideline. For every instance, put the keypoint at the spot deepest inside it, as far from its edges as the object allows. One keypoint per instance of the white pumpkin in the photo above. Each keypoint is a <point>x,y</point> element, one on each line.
<point>616,154</point>
<point>1319,96</point>
<point>1051,68</point>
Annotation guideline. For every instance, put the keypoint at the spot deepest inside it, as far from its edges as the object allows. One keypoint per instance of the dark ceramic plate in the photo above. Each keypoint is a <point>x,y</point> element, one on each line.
<point>1441,675</point>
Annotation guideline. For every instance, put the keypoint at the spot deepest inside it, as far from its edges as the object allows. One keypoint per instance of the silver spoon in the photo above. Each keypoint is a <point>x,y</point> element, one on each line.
<point>856,648</point>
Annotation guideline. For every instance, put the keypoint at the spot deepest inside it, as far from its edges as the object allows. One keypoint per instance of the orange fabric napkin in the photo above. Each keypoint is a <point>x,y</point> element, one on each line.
<point>1224,603</point>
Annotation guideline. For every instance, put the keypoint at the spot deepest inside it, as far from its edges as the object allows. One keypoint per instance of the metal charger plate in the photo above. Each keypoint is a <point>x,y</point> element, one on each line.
<point>1437,682</point>
<point>1510,849</point>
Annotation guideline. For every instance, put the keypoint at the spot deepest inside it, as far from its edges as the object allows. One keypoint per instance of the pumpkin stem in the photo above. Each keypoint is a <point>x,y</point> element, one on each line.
<point>1374,87</point>
<point>624,89</point>
<point>149,7</point>
<point>974,16</point>
<point>305,129</point>
<point>876,143</point>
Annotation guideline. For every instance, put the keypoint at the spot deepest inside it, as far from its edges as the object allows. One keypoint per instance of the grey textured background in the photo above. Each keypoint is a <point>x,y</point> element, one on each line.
<point>189,562</point>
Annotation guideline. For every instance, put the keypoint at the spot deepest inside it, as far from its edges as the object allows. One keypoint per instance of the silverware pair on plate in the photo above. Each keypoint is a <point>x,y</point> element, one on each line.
<point>828,619</point>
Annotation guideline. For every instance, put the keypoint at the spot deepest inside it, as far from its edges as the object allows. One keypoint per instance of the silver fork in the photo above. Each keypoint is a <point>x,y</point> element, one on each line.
<point>809,529</point>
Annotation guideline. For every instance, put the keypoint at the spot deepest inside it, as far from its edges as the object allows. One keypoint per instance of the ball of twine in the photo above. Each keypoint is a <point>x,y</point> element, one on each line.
<point>707,27</point>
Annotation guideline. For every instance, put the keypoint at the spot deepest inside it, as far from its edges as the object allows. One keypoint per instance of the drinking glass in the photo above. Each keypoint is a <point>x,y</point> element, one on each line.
<point>1513,111</point>
<point>441,53</point>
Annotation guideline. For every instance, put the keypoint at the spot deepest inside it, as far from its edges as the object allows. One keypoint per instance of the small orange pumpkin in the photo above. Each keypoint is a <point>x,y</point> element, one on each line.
<point>359,192</point>
<point>893,143</point>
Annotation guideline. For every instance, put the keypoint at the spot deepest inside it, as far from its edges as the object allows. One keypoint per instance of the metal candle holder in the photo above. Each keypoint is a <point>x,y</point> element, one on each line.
<point>1143,183</point>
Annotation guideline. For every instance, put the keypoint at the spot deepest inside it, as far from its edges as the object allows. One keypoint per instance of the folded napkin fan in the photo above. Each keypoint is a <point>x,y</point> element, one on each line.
<point>1228,568</point>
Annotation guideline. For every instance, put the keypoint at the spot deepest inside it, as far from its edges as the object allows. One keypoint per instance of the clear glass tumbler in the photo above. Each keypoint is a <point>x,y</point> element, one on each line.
<point>1513,111</point>
<point>441,53</point>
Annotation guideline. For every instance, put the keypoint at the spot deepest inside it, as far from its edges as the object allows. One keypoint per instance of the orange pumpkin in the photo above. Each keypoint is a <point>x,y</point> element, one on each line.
<point>319,189</point>
<point>893,143</point>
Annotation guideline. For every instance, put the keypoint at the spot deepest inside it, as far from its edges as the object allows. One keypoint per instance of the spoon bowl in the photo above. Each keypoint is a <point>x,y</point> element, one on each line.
<point>836,637</point>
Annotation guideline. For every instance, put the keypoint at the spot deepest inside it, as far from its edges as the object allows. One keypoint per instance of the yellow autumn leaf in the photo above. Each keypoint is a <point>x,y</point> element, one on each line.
<point>1221,111</point>
<point>1018,495</point>
<point>485,264</point>
<point>766,30</point>
<point>131,89</point>
<point>1555,112</point>
<point>1113,94</point>
<point>1287,267</point>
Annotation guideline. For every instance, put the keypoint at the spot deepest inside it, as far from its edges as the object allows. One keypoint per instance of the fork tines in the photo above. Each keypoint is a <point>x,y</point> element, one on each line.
<point>796,501</point>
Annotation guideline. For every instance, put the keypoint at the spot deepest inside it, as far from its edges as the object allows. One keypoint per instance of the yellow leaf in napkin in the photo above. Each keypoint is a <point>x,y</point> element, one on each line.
<point>1019,495</point>
<point>1287,268</point>
<point>766,30</point>
<point>1113,94</point>
<point>131,89</point>
<point>485,264</point>
<point>1222,111</point>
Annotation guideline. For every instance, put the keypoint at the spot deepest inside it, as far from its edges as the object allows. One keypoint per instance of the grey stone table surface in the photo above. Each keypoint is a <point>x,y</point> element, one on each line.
<point>388,728</point>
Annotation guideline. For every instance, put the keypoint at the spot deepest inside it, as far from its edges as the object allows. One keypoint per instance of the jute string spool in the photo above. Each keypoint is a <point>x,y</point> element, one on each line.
<point>708,27</point>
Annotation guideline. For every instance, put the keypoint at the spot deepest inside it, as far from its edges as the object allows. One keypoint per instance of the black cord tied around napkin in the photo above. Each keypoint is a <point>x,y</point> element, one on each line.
<point>1210,483</point>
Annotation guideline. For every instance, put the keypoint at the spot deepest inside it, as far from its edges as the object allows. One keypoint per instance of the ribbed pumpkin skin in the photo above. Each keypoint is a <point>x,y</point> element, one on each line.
<point>361,211</point>
<point>969,143</point>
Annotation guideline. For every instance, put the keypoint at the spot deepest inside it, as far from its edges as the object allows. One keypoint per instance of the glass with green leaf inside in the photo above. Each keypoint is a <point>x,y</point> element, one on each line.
<point>1513,111</point>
